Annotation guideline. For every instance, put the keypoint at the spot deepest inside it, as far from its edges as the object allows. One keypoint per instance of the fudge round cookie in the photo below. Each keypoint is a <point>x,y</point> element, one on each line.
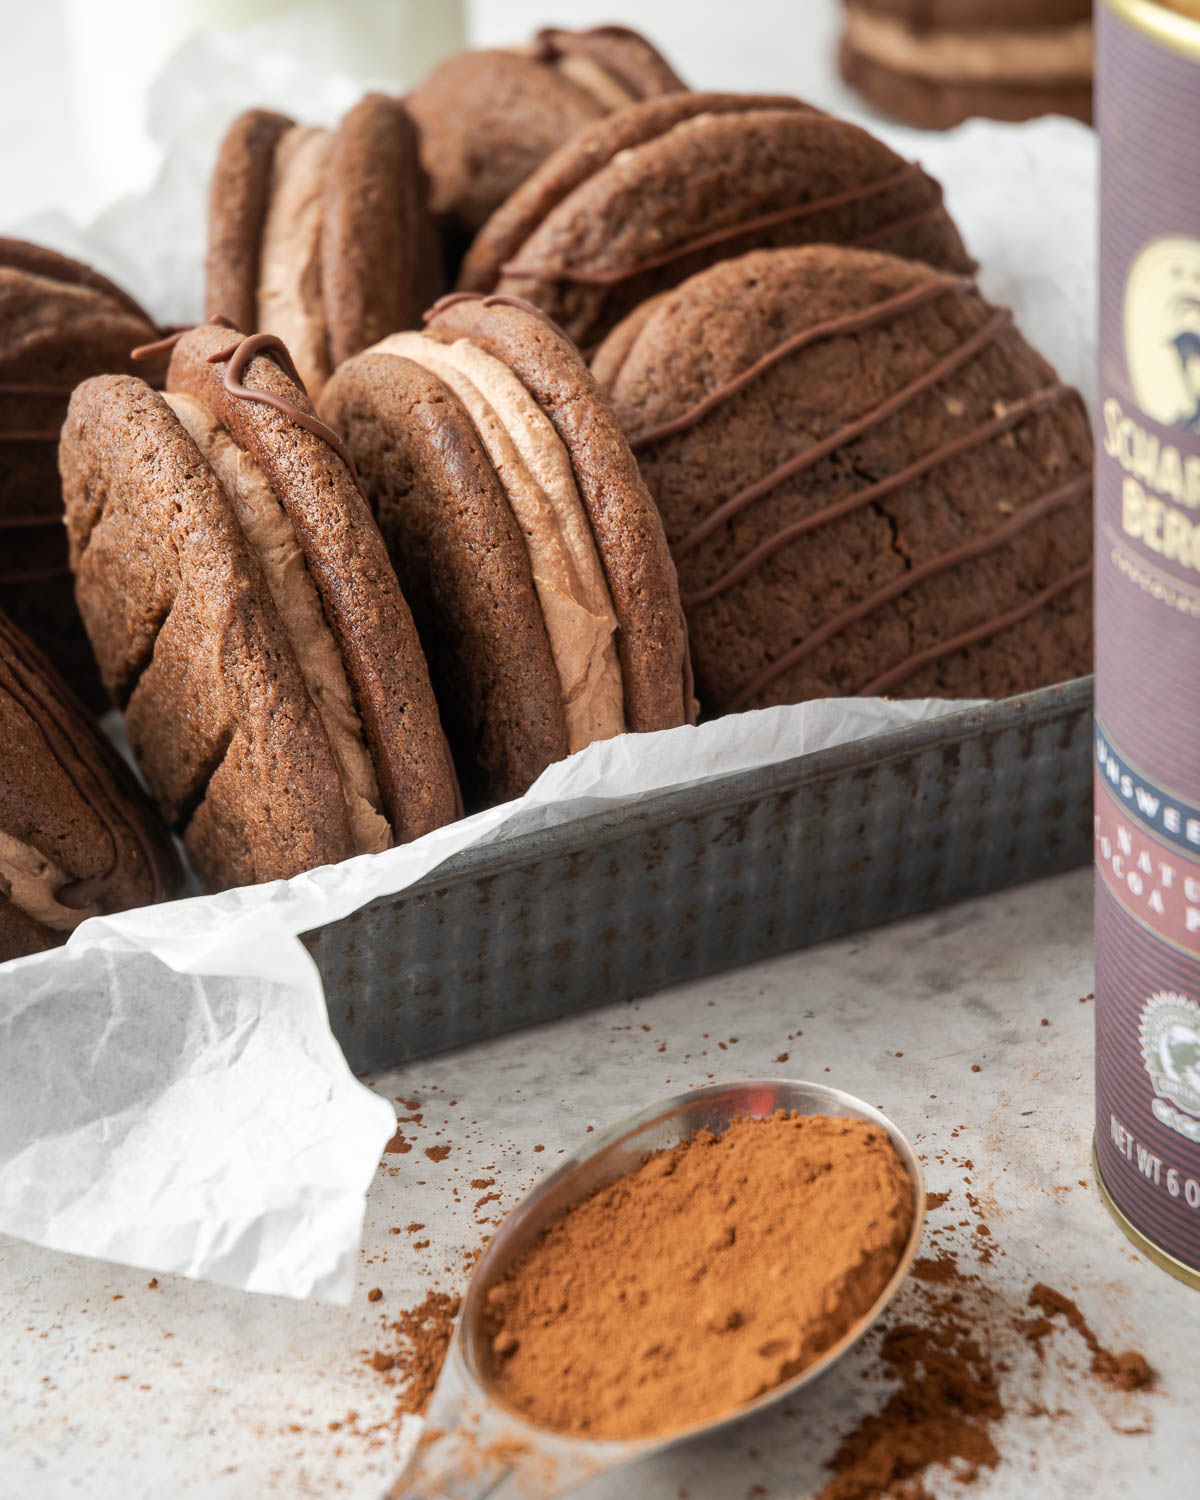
<point>77,835</point>
<point>870,482</point>
<point>936,64</point>
<point>525,208</point>
<point>321,237</point>
<point>246,617</point>
<point>523,535</point>
<point>488,118</point>
<point>60,322</point>
<point>730,175</point>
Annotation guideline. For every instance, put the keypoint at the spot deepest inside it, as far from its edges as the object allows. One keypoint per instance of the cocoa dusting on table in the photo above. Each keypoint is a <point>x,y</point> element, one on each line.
<point>949,1340</point>
<point>694,1284</point>
<point>947,1400</point>
<point>1127,1371</point>
<point>421,1335</point>
<point>437,1153</point>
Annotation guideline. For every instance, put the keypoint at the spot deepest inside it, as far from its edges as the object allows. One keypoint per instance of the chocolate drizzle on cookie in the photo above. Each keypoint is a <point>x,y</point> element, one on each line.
<point>913,664</point>
<point>21,678</point>
<point>492,299</point>
<point>579,276</point>
<point>166,344</point>
<point>239,356</point>
<point>857,322</point>
<point>1008,419</point>
<point>847,434</point>
<point>1043,506</point>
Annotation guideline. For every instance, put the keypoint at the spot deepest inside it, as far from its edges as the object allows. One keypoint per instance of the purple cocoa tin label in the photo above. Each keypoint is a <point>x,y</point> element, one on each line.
<point>1147,741</point>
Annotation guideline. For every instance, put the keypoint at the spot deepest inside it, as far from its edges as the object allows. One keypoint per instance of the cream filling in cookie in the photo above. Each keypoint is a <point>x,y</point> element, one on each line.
<point>273,539</point>
<point>289,268</point>
<point>535,469</point>
<point>594,79</point>
<point>587,74</point>
<point>29,880</point>
<point>973,56</point>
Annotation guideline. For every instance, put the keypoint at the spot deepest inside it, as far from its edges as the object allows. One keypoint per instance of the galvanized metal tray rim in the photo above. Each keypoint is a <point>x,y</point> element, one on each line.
<point>715,794</point>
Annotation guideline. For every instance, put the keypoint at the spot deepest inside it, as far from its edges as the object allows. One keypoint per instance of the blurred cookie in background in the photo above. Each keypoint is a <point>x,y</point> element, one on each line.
<point>640,201</point>
<point>322,237</point>
<point>60,322</point>
<point>489,118</point>
<point>935,63</point>
<point>77,835</point>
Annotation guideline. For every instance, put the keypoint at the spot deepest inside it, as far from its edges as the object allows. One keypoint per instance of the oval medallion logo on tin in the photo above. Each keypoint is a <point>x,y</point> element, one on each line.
<point>1162,330</point>
<point>1170,1033</point>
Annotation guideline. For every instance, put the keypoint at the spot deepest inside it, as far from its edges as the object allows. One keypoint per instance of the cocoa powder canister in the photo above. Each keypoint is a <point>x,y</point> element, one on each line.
<point>1147,740</point>
<point>712,1273</point>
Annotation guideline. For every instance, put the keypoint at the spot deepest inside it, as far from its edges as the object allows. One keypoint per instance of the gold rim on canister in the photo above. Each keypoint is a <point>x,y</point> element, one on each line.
<point>1176,27</point>
<point>1165,1262</point>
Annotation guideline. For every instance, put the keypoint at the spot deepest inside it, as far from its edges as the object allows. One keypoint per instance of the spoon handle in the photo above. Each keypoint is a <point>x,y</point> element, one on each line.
<point>472,1449</point>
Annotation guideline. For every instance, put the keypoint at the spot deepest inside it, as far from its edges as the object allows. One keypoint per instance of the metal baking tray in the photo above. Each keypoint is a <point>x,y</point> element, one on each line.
<point>706,877</point>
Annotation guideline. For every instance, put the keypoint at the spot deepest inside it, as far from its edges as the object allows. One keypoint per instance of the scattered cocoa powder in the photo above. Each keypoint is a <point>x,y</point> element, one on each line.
<point>948,1339</point>
<point>1127,1371</point>
<point>398,1143</point>
<point>437,1153</point>
<point>695,1283</point>
<point>422,1334</point>
<point>374,1294</point>
<point>941,1413</point>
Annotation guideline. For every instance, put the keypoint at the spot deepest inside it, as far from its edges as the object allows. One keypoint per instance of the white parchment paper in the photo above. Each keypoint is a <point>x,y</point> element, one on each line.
<point>171,1095</point>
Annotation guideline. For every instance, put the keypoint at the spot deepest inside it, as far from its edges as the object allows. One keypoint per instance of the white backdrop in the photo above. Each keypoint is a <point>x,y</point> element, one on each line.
<point>781,45</point>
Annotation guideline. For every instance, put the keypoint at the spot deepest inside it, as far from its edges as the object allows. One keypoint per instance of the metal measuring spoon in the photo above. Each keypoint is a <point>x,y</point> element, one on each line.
<point>474,1447</point>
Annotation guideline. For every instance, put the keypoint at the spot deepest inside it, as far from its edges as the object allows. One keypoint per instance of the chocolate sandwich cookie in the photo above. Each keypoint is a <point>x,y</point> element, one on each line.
<point>246,617</point>
<point>60,322</point>
<point>523,535</point>
<point>638,204</point>
<point>488,118</point>
<point>77,835</point>
<point>321,237</point>
<point>870,482</point>
<point>935,63</point>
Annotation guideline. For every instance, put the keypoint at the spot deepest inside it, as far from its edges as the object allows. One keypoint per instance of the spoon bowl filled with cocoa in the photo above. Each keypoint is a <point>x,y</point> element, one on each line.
<point>697,1262</point>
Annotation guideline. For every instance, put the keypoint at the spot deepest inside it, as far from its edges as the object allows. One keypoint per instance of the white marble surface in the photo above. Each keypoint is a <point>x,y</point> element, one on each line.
<point>118,1391</point>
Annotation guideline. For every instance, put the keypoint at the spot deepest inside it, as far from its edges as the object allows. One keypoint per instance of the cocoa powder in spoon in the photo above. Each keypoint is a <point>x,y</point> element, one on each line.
<point>715,1271</point>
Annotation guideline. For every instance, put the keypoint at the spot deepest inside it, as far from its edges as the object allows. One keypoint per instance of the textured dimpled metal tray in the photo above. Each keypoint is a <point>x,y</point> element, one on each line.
<point>707,877</point>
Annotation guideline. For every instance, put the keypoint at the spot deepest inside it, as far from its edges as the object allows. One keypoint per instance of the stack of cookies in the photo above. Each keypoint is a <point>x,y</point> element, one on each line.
<point>507,390</point>
<point>77,835</point>
<point>935,63</point>
<point>59,323</point>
